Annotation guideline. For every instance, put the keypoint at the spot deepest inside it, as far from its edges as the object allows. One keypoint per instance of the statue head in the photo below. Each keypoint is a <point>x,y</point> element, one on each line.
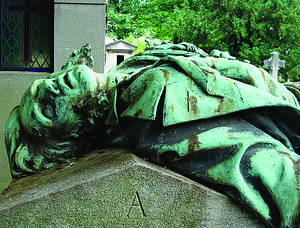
<point>56,106</point>
<point>53,114</point>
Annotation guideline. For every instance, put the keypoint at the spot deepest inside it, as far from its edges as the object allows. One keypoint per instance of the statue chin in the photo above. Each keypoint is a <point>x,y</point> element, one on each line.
<point>220,121</point>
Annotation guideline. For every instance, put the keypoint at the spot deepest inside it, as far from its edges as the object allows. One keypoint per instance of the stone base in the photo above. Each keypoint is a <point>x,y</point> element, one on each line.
<point>114,188</point>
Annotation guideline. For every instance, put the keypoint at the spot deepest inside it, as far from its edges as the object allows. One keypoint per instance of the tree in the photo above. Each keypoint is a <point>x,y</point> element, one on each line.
<point>247,29</point>
<point>122,15</point>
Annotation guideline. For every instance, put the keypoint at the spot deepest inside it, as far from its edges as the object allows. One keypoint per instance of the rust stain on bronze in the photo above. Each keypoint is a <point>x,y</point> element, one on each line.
<point>206,72</point>
<point>264,76</point>
<point>250,79</point>
<point>172,108</point>
<point>193,105</point>
<point>80,60</point>
<point>229,104</point>
<point>138,113</point>
<point>213,65</point>
<point>214,78</point>
<point>194,144</point>
<point>271,86</point>
<point>5,191</point>
<point>135,76</point>
<point>220,106</point>
<point>107,84</point>
<point>195,62</point>
<point>97,90</point>
<point>166,75</point>
<point>145,87</point>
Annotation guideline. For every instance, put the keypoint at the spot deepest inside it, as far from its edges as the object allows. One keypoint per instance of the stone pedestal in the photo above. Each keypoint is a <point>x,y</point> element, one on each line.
<point>77,22</point>
<point>117,189</point>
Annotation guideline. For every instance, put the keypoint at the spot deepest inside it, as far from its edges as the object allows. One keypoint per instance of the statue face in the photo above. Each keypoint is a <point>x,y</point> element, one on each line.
<point>49,108</point>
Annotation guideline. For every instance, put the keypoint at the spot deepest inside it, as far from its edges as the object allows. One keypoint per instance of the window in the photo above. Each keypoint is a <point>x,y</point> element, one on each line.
<point>26,35</point>
<point>120,58</point>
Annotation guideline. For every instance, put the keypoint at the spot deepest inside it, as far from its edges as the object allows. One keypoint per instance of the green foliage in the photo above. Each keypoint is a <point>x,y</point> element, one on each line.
<point>281,80</point>
<point>122,16</point>
<point>293,65</point>
<point>139,42</point>
<point>247,29</point>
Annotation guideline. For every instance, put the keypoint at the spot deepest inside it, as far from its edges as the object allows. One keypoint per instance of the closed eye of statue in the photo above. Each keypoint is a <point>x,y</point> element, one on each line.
<point>67,81</point>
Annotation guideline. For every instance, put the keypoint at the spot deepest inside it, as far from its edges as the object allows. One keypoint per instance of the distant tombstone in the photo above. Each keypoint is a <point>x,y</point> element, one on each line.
<point>275,64</point>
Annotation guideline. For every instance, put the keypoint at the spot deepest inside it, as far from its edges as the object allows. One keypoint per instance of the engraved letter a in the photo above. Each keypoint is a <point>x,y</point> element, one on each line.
<point>136,209</point>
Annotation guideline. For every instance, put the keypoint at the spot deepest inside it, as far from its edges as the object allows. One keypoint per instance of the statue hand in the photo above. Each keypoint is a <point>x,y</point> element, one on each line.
<point>221,54</point>
<point>193,48</point>
<point>84,56</point>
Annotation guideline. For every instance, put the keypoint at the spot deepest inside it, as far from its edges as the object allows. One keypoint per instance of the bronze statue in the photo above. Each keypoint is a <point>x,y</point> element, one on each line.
<point>224,123</point>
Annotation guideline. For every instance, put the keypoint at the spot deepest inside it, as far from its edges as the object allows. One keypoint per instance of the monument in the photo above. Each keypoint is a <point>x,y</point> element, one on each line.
<point>275,63</point>
<point>220,122</point>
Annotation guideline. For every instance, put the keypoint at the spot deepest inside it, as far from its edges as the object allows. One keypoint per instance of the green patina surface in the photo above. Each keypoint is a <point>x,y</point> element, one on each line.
<point>177,87</point>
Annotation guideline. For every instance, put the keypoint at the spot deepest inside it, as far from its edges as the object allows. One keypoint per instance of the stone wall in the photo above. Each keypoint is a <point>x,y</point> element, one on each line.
<point>77,22</point>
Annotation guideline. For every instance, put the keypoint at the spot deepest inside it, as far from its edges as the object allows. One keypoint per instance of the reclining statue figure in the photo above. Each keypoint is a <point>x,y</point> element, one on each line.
<point>224,123</point>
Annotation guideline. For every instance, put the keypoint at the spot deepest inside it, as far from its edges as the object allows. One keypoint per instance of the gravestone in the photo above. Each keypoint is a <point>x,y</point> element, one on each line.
<point>275,63</point>
<point>114,188</point>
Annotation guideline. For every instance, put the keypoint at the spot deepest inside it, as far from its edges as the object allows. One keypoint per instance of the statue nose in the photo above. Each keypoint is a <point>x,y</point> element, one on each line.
<point>51,85</point>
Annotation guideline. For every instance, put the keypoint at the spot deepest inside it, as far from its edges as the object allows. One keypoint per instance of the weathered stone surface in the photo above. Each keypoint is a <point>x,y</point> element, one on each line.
<point>116,189</point>
<point>78,22</point>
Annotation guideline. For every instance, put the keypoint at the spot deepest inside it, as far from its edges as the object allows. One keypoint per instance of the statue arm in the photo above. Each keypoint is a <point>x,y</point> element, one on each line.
<point>184,49</point>
<point>83,56</point>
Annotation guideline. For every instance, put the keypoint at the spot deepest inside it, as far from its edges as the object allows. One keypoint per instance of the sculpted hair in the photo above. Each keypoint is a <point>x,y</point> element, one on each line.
<point>28,154</point>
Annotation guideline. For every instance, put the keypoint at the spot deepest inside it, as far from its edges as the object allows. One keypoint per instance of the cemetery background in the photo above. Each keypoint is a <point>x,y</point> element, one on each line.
<point>116,52</point>
<point>247,30</point>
